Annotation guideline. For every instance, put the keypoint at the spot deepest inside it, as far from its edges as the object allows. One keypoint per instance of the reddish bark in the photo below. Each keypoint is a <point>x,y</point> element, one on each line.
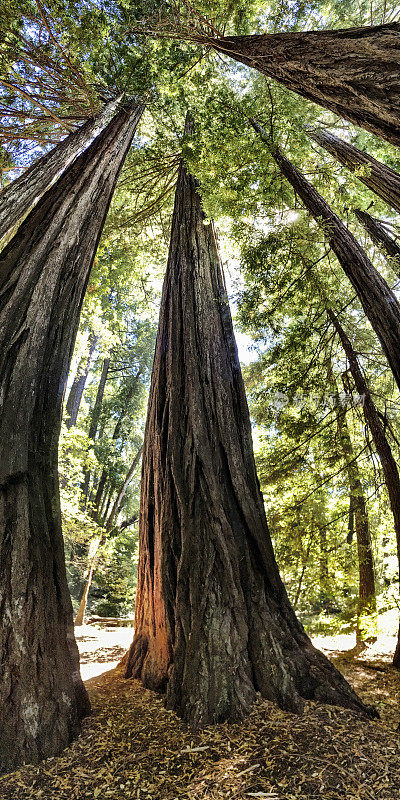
<point>213,620</point>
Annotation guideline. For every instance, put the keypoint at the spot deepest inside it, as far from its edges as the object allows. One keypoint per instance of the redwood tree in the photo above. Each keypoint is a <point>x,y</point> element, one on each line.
<point>116,506</point>
<point>381,237</point>
<point>43,275</point>
<point>379,436</point>
<point>378,177</point>
<point>353,71</point>
<point>380,304</point>
<point>213,621</point>
<point>21,195</point>
<point>94,424</point>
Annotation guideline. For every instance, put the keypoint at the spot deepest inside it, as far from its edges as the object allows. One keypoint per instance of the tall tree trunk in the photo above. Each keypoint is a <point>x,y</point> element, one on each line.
<point>43,276</point>
<point>75,395</point>
<point>381,237</point>
<point>366,610</point>
<point>213,620</point>
<point>94,424</point>
<point>20,196</point>
<point>353,72</point>
<point>383,449</point>
<point>377,299</point>
<point>378,177</point>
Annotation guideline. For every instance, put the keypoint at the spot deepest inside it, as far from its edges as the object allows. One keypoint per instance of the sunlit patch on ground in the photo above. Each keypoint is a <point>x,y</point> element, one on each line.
<point>132,748</point>
<point>100,648</point>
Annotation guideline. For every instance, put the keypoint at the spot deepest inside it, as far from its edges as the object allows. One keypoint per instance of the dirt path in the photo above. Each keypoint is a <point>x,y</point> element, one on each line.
<point>101,649</point>
<point>133,748</point>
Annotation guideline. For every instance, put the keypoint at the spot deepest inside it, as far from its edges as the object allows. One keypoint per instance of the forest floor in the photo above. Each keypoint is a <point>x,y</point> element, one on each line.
<point>131,747</point>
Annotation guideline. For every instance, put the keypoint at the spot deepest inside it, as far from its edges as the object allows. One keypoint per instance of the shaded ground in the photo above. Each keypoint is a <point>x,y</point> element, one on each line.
<point>132,747</point>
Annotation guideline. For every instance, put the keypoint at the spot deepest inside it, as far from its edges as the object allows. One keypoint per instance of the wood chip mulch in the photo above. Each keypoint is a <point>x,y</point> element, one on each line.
<point>131,747</point>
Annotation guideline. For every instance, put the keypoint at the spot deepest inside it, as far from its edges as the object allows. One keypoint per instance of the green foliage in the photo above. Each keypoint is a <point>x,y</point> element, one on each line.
<point>68,56</point>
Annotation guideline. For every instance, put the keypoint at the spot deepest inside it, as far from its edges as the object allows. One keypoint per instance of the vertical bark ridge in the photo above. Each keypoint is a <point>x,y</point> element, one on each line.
<point>43,276</point>
<point>213,621</point>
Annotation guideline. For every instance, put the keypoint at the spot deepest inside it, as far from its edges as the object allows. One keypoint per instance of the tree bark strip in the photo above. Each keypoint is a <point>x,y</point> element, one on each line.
<point>381,237</point>
<point>377,299</point>
<point>20,196</point>
<point>378,177</point>
<point>374,422</point>
<point>353,72</point>
<point>43,276</point>
<point>213,620</point>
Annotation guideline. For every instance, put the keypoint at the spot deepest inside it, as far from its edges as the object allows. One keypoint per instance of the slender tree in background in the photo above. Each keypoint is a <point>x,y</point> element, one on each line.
<point>43,276</point>
<point>115,435</point>
<point>378,177</point>
<point>75,395</point>
<point>116,506</point>
<point>377,299</point>
<point>366,607</point>
<point>103,538</point>
<point>351,71</point>
<point>375,424</point>
<point>381,237</point>
<point>21,195</point>
<point>213,620</point>
<point>94,423</point>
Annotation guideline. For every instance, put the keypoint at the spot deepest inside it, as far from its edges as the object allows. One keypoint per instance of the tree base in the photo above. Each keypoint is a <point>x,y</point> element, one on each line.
<point>42,696</point>
<point>282,665</point>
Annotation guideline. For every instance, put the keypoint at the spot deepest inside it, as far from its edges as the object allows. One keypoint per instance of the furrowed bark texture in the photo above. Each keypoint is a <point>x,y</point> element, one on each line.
<point>353,72</point>
<point>377,299</point>
<point>213,621</point>
<point>381,237</point>
<point>21,195</point>
<point>378,177</point>
<point>383,449</point>
<point>43,276</point>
